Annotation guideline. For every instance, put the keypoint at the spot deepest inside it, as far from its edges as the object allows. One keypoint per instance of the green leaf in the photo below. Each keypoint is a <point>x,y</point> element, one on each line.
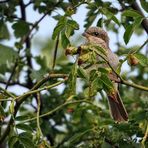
<point>7,54</point>
<point>143,60</point>
<point>100,22</point>
<point>12,141</point>
<point>24,127</point>
<point>131,28</point>
<point>115,20</point>
<point>73,24</point>
<point>106,145</point>
<point>137,21</point>
<point>27,143</point>
<point>21,28</point>
<point>37,74</point>
<point>144,5</point>
<point>93,74</point>
<point>82,73</point>
<point>3,68</point>
<point>57,30</point>
<point>72,80</point>
<point>97,84</point>
<point>103,70</point>
<point>21,118</point>
<point>64,40</point>
<point>4,32</point>
<point>91,16</point>
<point>110,15</point>
<point>2,112</point>
<point>106,81</point>
<point>59,27</point>
<point>131,13</point>
<point>98,49</point>
<point>11,107</point>
<point>128,33</point>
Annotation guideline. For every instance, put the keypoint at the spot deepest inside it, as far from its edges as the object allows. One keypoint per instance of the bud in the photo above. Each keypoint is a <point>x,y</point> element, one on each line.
<point>71,50</point>
<point>83,58</point>
<point>70,110</point>
<point>132,60</point>
<point>70,11</point>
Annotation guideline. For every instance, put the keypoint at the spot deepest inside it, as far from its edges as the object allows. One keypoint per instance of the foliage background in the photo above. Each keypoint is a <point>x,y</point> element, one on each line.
<point>54,111</point>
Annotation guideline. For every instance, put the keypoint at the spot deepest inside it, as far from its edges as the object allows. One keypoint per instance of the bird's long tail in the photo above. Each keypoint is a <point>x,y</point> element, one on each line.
<point>117,108</point>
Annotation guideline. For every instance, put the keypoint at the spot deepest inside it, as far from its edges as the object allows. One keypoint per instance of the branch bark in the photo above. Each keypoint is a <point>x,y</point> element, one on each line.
<point>135,6</point>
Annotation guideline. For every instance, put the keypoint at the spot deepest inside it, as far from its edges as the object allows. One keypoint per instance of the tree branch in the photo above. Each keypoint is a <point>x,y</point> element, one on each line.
<point>58,108</point>
<point>135,6</point>
<point>38,90</point>
<point>19,102</point>
<point>55,52</point>
<point>28,45</point>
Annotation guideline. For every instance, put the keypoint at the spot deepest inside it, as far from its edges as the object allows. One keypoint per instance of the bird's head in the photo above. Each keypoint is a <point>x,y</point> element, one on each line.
<point>97,33</point>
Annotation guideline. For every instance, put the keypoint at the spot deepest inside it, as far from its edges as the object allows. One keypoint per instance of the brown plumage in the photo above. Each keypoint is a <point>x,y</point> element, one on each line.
<point>99,36</point>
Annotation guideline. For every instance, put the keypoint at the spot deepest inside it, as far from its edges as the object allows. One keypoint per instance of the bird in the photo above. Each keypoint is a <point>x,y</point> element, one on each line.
<point>98,36</point>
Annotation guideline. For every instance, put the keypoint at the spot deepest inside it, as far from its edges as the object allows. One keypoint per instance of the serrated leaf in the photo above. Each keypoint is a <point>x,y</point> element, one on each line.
<point>82,73</point>
<point>21,28</point>
<point>7,54</point>
<point>4,32</point>
<point>143,60</point>
<point>131,13</point>
<point>24,127</point>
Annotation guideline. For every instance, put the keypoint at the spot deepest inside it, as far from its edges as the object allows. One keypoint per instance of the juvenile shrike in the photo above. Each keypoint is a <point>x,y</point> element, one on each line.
<point>98,36</point>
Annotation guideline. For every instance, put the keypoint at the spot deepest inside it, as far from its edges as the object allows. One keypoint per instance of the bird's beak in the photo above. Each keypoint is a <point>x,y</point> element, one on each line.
<point>85,34</point>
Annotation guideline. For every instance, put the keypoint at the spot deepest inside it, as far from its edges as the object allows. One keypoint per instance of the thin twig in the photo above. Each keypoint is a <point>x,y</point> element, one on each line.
<point>38,90</point>
<point>55,52</point>
<point>57,108</point>
<point>18,103</point>
<point>122,80</point>
<point>140,47</point>
<point>38,115</point>
<point>13,70</point>
<point>145,136</point>
<point>7,92</point>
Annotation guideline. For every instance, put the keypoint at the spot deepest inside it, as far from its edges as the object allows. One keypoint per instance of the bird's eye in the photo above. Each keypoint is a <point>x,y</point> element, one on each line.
<point>96,33</point>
